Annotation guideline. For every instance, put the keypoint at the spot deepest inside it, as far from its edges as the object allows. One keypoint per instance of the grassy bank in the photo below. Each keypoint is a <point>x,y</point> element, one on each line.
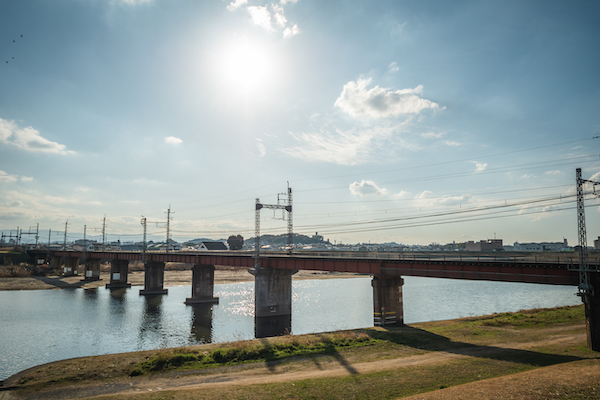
<point>363,364</point>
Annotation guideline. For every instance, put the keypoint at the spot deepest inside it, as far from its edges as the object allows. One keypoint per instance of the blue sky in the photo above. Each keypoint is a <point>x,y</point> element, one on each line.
<point>406,121</point>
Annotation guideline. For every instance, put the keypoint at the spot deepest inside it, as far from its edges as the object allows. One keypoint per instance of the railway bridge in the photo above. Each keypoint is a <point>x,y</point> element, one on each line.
<point>273,276</point>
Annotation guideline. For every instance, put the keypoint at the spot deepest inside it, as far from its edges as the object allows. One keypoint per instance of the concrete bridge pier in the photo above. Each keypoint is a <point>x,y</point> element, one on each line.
<point>592,313</point>
<point>118,274</point>
<point>55,262</point>
<point>92,270</point>
<point>71,264</point>
<point>154,279</point>
<point>203,284</point>
<point>273,301</point>
<point>387,301</point>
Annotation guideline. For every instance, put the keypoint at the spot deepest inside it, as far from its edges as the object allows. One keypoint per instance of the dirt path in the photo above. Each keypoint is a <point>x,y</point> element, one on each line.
<point>533,384</point>
<point>136,278</point>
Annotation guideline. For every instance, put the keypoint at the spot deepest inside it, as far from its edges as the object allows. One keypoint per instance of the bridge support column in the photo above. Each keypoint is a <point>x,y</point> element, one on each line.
<point>203,284</point>
<point>71,264</point>
<point>55,262</point>
<point>387,301</point>
<point>592,313</point>
<point>92,270</point>
<point>154,279</point>
<point>118,274</point>
<point>273,301</point>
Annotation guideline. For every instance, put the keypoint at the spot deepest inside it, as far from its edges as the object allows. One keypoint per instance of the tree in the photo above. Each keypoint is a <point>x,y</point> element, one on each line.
<point>235,242</point>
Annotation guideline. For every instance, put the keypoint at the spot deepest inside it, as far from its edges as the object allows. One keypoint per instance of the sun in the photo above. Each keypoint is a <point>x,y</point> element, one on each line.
<point>246,66</point>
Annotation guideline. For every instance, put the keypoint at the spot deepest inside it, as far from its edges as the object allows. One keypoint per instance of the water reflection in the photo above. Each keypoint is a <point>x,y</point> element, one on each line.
<point>202,322</point>
<point>151,326</point>
<point>272,326</point>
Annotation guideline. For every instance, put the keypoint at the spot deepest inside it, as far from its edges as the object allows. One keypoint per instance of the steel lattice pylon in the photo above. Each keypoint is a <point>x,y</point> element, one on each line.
<point>290,226</point>
<point>585,286</point>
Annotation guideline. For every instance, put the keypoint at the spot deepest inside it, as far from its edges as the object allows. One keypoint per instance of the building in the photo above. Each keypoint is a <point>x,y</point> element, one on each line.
<point>543,246</point>
<point>484,245</point>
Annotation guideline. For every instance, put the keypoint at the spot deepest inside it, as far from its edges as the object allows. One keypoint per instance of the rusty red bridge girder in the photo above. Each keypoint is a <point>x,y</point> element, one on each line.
<point>529,269</point>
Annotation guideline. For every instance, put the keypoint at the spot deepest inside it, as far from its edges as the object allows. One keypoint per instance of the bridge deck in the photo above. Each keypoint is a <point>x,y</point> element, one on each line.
<point>529,268</point>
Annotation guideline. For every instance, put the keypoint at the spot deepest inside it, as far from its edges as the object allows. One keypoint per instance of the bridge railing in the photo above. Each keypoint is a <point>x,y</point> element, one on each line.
<point>557,258</point>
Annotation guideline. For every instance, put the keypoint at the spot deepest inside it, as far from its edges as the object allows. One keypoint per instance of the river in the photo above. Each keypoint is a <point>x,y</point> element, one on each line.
<point>41,326</point>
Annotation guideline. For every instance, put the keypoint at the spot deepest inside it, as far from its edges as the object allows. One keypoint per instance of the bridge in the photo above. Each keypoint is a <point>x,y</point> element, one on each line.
<point>273,276</point>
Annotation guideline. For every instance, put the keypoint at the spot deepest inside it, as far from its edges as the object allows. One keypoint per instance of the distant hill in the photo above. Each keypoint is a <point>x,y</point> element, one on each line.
<point>281,240</point>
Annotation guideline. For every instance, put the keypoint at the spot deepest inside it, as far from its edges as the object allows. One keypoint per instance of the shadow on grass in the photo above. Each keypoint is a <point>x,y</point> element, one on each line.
<point>424,340</point>
<point>329,349</point>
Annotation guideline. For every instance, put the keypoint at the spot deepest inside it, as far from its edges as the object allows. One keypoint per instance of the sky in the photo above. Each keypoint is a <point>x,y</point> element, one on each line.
<point>413,122</point>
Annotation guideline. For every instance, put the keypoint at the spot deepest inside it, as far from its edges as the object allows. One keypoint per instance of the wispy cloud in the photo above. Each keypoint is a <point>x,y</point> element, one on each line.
<point>366,188</point>
<point>5,177</point>
<point>452,143</point>
<point>349,147</point>
<point>374,139</point>
<point>173,140</point>
<point>479,167</point>
<point>29,139</point>
<point>359,101</point>
<point>433,135</point>
<point>262,150</point>
<point>393,67</point>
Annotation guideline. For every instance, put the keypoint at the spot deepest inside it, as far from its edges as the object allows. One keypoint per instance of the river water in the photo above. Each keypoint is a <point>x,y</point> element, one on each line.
<point>41,326</point>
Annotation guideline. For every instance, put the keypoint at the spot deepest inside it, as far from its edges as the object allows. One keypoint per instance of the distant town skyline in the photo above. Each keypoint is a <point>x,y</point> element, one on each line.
<point>394,121</point>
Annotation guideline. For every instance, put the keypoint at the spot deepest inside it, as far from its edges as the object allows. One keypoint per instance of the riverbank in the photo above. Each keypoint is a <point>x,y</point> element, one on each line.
<point>136,278</point>
<point>538,354</point>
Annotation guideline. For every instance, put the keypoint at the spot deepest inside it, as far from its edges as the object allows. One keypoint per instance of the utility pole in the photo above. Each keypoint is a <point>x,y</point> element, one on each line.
<point>84,242</point>
<point>65,242</point>
<point>29,232</point>
<point>144,246</point>
<point>589,278</point>
<point>169,228</point>
<point>103,232</point>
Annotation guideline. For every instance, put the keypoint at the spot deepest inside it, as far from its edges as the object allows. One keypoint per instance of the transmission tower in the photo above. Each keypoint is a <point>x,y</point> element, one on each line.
<point>585,287</point>
<point>282,204</point>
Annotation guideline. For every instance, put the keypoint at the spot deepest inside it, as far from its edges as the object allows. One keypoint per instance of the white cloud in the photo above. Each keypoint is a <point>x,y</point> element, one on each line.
<point>393,67</point>
<point>377,102</point>
<point>279,15</point>
<point>173,140</point>
<point>366,188</point>
<point>5,177</point>
<point>401,195</point>
<point>293,31</point>
<point>26,179</point>
<point>452,143</point>
<point>29,139</point>
<point>272,21</point>
<point>454,200</point>
<point>479,167</point>
<point>529,176</point>
<point>424,195</point>
<point>261,17</point>
<point>234,5</point>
